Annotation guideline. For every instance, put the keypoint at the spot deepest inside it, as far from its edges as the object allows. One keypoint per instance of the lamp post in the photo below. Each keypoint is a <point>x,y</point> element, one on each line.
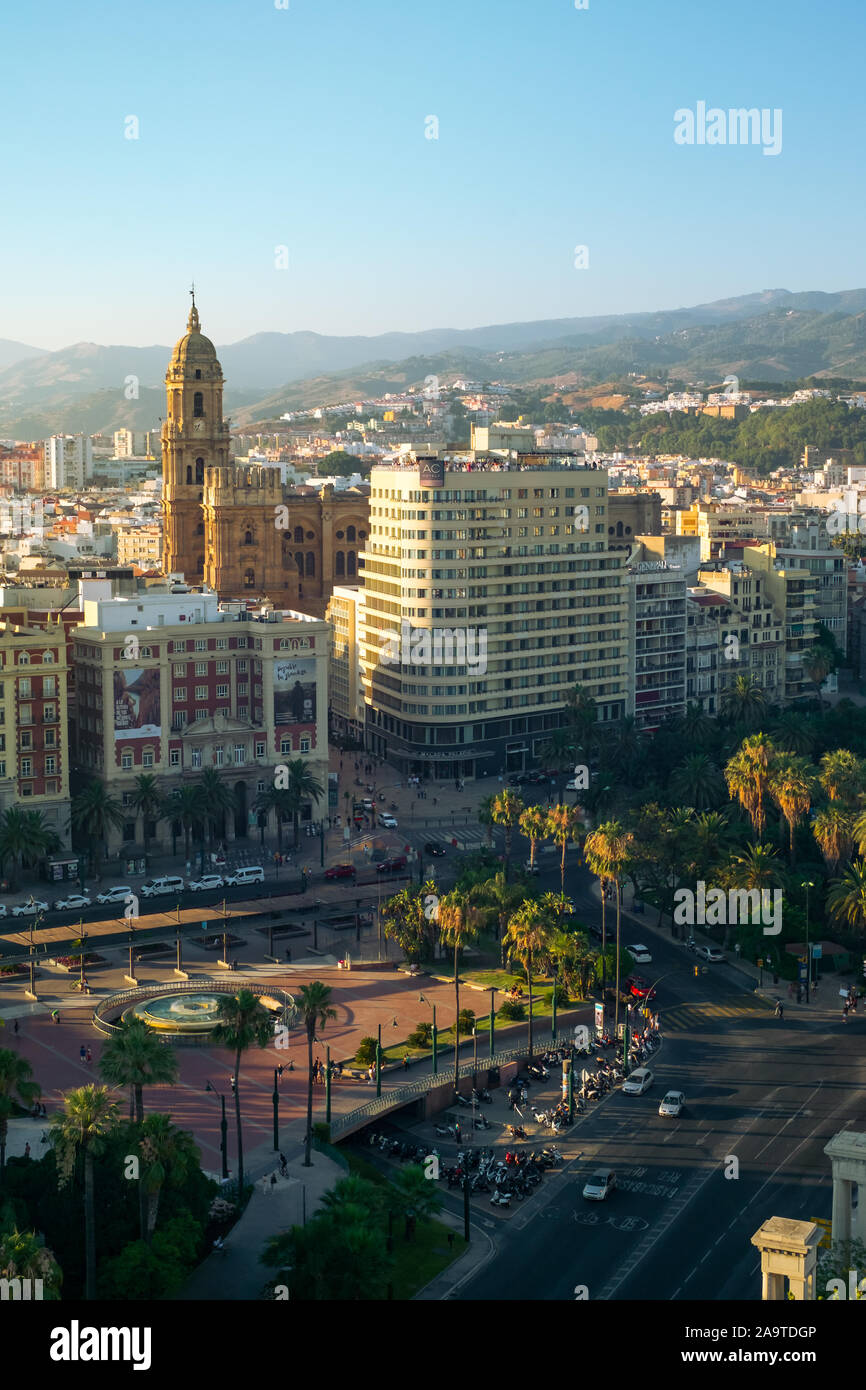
<point>131,975</point>
<point>327,1084</point>
<point>807,884</point>
<point>276,1100</point>
<point>37,920</point>
<point>422,999</point>
<point>553,1011</point>
<point>223,1128</point>
<point>83,954</point>
<point>492,993</point>
<point>379,1063</point>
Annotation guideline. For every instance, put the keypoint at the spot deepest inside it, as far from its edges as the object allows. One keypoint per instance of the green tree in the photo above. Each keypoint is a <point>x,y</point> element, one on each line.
<point>217,799</point>
<point>24,1255</point>
<point>747,774</point>
<point>302,786</point>
<point>414,1196</point>
<point>16,1086</point>
<point>281,802</point>
<point>243,1021</point>
<point>846,900</point>
<point>458,920</point>
<point>533,823</point>
<point>564,826</point>
<point>25,837</point>
<point>94,814</point>
<point>134,1056</point>
<point>186,806</point>
<point>405,920</point>
<point>842,775</point>
<point>88,1115</point>
<point>506,811</point>
<point>168,1155</point>
<point>147,801</point>
<point>744,702</point>
<point>613,847</point>
<point>529,936</point>
<point>314,1001</point>
<point>698,782</point>
<point>496,899</point>
<point>833,828</point>
<point>792,785</point>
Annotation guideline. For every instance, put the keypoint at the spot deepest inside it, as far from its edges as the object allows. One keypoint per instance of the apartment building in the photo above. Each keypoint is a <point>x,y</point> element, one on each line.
<point>136,444</point>
<point>734,602</point>
<point>792,589</point>
<point>68,461</point>
<point>139,545</point>
<point>34,762</point>
<point>173,682</point>
<point>345,684</point>
<point>490,591</point>
<point>656,592</point>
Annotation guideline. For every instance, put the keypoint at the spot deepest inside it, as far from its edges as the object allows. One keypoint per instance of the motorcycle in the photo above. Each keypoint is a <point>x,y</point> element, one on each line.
<point>500,1199</point>
<point>462,1099</point>
<point>516,1131</point>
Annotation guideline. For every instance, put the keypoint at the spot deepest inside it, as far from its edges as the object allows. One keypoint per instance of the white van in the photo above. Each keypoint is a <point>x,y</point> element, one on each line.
<point>162,885</point>
<point>253,873</point>
<point>118,894</point>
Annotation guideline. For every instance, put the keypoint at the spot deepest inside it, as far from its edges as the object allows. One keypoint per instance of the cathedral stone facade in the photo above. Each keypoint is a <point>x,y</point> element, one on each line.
<point>235,527</point>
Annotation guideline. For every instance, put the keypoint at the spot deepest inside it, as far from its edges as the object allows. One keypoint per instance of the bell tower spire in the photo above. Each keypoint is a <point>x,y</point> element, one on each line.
<point>193,323</point>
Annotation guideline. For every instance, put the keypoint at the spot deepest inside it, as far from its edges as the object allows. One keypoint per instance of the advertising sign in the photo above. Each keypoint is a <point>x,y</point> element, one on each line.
<point>431,472</point>
<point>599,1019</point>
<point>295,691</point>
<point>136,703</point>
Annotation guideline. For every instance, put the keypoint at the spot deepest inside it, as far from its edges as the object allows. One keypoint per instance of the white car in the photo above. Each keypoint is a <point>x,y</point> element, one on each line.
<point>30,908</point>
<point>710,953</point>
<point>600,1185</point>
<point>201,885</point>
<point>673,1103</point>
<point>154,888</point>
<point>251,873</point>
<point>2,909</point>
<point>118,894</point>
<point>639,1081</point>
<point>388,822</point>
<point>72,903</point>
<point>530,868</point>
<point>639,953</point>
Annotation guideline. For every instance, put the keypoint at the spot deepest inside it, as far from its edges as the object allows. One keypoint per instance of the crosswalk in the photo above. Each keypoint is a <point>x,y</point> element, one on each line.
<point>468,837</point>
<point>684,1017</point>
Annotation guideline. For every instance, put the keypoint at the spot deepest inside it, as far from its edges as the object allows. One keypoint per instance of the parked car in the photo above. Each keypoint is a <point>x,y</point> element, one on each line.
<point>639,953</point>
<point>390,866</point>
<point>388,822</point>
<point>340,871</point>
<point>118,894</point>
<point>639,987</point>
<point>253,873</point>
<point>435,851</point>
<point>637,1082</point>
<point>368,803</point>
<point>673,1103</point>
<point>710,953</point>
<point>2,909</point>
<point>30,908</point>
<point>517,779</point>
<point>600,1185</point>
<point>72,903</point>
<point>201,885</point>
<point>155,887</point>
<point>530,868</point>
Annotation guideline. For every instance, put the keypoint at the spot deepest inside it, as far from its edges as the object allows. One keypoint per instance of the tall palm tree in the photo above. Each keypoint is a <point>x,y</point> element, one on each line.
<point>242,1022</point>
<point>168,1155</point>
<point>302,786</point>
<point>24,837</point>
<point>792,786</point>
<point>218,799</point>
<point>846,900</point>
<point>135,1057</point>
<point>712,838</point>
<point>744,702</point>
<point>842,775</point>
<point>793,733</point>
<point>564,825</point>
<point>559,752</point>
<point>314,1001</point>
<point>94,814</point>
<point>818,665</point>
<point>279,800</point>
<point>533,823</point>
<point>506,811</point>
<point>747,774</point>
<point>698,782</point>
<point>414,1196</point>
<point>458,919</point>
<point>757,867</point>
<point>833,828</point>
<point>612,846</point>
<point>24,1255</point>
<point>87,1117</point>
<point>695,724</point>
<point>15,1085</point>
<point>498,898</point>
<point>185,805</point>
<point>485,816</point>
<point>147,801</point>
<point>529,935</point>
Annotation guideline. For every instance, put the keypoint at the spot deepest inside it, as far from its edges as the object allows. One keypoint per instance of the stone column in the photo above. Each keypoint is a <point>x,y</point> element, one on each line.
<point>847,1154</point>
<point>789,1251</point>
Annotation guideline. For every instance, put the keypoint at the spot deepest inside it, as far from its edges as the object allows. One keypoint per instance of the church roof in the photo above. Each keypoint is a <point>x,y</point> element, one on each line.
<point>193,346</point>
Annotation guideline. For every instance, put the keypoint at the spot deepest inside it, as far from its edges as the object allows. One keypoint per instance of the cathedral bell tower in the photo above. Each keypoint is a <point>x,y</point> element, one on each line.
<point>194,438</point>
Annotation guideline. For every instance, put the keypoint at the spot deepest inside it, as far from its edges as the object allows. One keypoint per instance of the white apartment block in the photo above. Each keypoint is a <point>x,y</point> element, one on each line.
<point>68,461</point>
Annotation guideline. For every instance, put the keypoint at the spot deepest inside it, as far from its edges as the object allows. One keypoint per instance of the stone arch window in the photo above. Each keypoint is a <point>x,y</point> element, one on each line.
<point>198,373</point>
<point>361,535</point>
<point>199,470</point>
<point>47,658</point>
<point>189,472</point>
<point>350,533</point>
<point>198,405</point>
<point>619,528</point>
<point>299,561</point>
<point>249,579</point>
<point>299,534</point>
<point>23,658</point>
<point>311,564</point>
<point>248,537</point>
<point>341,563</point>
<point>350,563</point>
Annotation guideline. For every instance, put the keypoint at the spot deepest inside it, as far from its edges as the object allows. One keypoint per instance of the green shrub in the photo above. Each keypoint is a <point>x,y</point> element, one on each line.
<point>562,997</point>
<point>421,1035</point>
<point>511,1012</point>
<point>466,1021</point>
<point>366,1051</point>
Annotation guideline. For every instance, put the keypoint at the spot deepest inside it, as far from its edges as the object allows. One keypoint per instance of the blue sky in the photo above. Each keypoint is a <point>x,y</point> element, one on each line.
<point>305,128</point>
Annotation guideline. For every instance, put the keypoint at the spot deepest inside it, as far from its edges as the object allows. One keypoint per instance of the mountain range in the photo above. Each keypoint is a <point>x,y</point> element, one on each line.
<point>774,335</point>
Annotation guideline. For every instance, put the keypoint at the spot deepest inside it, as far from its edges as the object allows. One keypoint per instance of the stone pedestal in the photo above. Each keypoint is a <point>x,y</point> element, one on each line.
<point>847,1154</point>
<point>789,1252</point>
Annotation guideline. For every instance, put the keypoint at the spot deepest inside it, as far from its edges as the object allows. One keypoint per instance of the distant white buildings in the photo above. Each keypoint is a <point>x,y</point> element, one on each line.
<point>68,461</point>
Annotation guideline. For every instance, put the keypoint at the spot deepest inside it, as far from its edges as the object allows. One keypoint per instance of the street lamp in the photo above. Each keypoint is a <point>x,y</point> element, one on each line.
<point>492,993</point>
<point>223,1128</point>
<point>807,884</point>
<point>422,999</point>
<point>276,1099</point>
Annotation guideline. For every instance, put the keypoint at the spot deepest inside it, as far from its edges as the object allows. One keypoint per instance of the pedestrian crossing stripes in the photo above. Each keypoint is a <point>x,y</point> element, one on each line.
<point>468,836</point>
<point>686,1016</point>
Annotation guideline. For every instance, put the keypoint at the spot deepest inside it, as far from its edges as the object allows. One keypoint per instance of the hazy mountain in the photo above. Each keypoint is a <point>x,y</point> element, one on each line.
<point>11,352</point>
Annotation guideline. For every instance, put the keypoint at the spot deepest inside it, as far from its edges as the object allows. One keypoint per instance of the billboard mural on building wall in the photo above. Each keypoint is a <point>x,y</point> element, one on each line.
<point>136,703</point>
<point>295,691</point>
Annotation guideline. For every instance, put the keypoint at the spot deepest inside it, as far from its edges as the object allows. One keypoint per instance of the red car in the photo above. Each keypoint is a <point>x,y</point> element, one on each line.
<point>638,986</point>
<point>390,866</point>
<point>340,871</point>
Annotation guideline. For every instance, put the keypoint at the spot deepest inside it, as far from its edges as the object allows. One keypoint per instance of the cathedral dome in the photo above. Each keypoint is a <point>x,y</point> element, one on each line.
<point>193,348</point>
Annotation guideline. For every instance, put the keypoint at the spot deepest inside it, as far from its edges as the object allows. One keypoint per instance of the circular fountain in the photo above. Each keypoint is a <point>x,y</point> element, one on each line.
<point>187,1014</point>
<point>178,1013</point>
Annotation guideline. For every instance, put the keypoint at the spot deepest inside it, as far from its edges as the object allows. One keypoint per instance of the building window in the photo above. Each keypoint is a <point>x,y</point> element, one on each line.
<point>198,405</point>
<point>249,579</point>
<point>240,755</point>
<point>50,764</point>
<point>174,757</point>
<point>24,689</point>
<point>305,743</point>
<point>201,692</point>
<point>26,740</point>
<point>218,756</point>
<point>129,832</point>
<point>201,644</point>
<point>340,568</point>
<point>26,767</point>
<point>260,750</point>
<point>199,470</point>
<point>179,694</point>
<point>25,714</point>
<point>201,668</point>
<point>222,644</point>
<point>222,692</point>
<point>311,564</point>
<point>299,534</point>
<point>23,658</point>
<point>243,666</point>
<point>179,669</point>
<point>195,760</point>
<point>222,668</point>
<point>350,533</point>
<point>180,646</point>
<point>147,758</point>
<point>49,685</point>
<point>47,658</point>
<point>126,761</point>
<point>285,745</point>
<point>49,714</point>
<point>248,538</point>
<point>51,788</point>
<point>26,788</point>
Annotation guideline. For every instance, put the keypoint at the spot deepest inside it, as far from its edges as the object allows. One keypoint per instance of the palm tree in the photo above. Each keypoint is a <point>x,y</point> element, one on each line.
<point>134,1056</point>
<point>792,733</point>
<point>712,837</point>
<point>614,847</point>
<point>485,816</point>
<point>186,806</point>
<point>846,900</point>
<point>87,1116</point>
<point>842,775</point>
<point>243,1021</point>
<point>500,898</point>
<point>564,825</point>
<point>24,1255</point>
<point>316,1010</point>
<point>457,926</point>
<point>833,828</point>
<point>698,782</point>
<point>218,799</point>
<point>279,800</point>
<point>756,867</point>
<point>533,823</point>
<point>628,744</point>
<point>744,702</point>
<point>415,1197</point>
<point>168,1155</point>
<point>506,810</point>
<point>94,814</point>
<point>15,1086</point>
<point>792,786</point>
<point>818,665</point>
<point>302,785</point>
<point>747,774</point>
<point>528,936</point>
<point>24,837</point>
<point>695,724</point>
<point>147,801</point>
<point>559,752</point>
<point>575,959</point>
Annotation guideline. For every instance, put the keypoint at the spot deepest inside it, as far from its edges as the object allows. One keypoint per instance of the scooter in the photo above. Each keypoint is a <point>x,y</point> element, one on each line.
<point>500,1199</point>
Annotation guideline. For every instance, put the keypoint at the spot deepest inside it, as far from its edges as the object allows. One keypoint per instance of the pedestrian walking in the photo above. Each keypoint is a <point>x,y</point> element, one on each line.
<point>15,1028</point>
<point>26,1150</point>
<point>845,1007</point>
<point>280,1072</point>
<point>82,1054</point>
<point>284,1167</point>
<point>89,1057</point>
<point>406,1061</point>
<point>273,1181</point>
<point>55,1014</point>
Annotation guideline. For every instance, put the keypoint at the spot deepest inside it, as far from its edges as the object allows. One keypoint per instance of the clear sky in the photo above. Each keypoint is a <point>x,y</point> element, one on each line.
<point>305,128</point>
